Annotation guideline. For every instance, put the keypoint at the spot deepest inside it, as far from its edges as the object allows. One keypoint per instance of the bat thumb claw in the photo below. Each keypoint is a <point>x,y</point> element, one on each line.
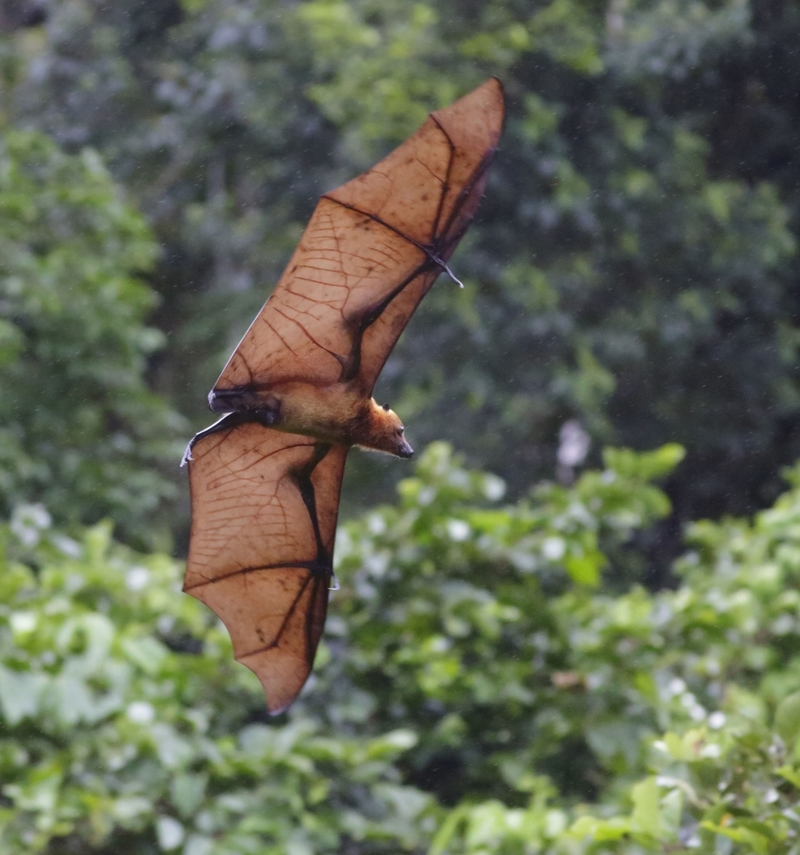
<point>448,271</point>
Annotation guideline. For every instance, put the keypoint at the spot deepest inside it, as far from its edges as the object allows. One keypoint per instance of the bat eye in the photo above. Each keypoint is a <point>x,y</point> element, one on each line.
<point>400,430</point>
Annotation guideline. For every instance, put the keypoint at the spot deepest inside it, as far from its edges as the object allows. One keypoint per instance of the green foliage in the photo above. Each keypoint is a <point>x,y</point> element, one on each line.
<point>632,264</point>
<point>474,693</point>
<point>491,681</point>
<point>125,726</point>
<point>715,664</point>
<point>79,429</point>
<point>449,620</point>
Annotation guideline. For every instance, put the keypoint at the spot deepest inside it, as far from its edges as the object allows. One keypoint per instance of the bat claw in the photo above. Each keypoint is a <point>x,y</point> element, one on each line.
<point>187,455</point>
<point>334,585</point>
<point>447,270</point>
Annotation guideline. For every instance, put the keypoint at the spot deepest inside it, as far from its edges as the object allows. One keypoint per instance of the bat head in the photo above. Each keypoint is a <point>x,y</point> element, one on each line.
<point>383,431</point>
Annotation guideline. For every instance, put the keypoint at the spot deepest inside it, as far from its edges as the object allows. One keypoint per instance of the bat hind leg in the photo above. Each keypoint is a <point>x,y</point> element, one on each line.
<point>244,399</point>
<point>268,416</point>
<point>225,423</point>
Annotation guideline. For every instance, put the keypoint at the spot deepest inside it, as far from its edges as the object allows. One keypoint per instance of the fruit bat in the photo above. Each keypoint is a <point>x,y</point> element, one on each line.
<point>296,393</point>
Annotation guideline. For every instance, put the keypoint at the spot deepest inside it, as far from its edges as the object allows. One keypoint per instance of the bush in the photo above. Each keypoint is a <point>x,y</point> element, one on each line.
<point>126,727</point>
<point>476,691</point>
<point>79,429</point>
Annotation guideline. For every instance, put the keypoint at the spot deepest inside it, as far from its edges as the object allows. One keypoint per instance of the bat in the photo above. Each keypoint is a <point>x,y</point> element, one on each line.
<point>297,392</point>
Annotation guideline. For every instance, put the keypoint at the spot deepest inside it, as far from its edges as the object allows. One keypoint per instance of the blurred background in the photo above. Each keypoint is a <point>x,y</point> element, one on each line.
<point>537,635</point>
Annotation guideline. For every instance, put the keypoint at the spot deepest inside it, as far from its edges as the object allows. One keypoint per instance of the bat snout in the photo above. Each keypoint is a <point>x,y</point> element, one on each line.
<point>404,450</point>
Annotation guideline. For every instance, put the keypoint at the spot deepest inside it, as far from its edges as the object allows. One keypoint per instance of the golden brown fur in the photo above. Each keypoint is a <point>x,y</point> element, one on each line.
<point>380,429</point>
<point>338,414</point>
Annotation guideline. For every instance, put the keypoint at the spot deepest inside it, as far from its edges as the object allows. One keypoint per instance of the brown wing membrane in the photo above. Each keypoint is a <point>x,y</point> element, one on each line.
<point>264,502</point>
<point>370,253</point>
<point>264,508</point>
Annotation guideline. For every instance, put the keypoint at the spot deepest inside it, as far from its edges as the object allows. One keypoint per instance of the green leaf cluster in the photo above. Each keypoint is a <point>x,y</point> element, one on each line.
<point>80,430</point>
<point>491,680</point>
<point>710,676</point>
<point>126,727</point>
<point>477,691</point>
<point>632,266</point>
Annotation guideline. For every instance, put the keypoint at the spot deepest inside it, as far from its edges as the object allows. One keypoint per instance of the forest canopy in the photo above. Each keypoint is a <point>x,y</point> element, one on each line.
<point>560,656</point>
<point>633,264</point>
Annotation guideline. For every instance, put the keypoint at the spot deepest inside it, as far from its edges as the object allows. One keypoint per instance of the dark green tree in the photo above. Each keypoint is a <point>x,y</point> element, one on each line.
<point>80,431</point>
<point>632,265</point>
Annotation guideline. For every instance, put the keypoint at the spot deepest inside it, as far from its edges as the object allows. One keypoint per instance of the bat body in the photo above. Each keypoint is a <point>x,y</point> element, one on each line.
<point>334,413</point>
<point>296,393</point>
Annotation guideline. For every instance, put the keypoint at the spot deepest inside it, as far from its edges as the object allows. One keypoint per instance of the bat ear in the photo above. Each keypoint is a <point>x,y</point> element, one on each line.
<point>386,408</point>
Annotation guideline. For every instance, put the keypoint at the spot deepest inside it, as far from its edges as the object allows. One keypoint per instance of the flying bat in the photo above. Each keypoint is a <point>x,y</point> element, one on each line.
<point>297,392</point>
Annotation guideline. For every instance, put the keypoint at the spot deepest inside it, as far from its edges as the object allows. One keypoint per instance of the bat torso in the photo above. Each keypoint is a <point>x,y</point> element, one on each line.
<point>328,413</point>
<point>336,414</point>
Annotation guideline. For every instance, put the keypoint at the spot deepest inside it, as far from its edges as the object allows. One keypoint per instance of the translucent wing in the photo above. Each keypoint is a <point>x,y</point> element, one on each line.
<point>264,503</point>
<point>370,253</point>
<point>264,508</point>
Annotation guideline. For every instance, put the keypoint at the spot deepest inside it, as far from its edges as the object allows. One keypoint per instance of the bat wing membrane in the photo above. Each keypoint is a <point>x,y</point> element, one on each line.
<point>264,502</point>
<point>370,253</point>
<point>264,508</point>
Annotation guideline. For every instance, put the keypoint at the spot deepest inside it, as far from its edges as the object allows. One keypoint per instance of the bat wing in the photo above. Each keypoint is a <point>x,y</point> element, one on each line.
<point>370,253</point>
<point>264,508</point>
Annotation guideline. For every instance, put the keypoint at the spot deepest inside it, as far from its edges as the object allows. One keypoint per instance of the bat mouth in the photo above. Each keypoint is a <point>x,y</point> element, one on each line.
<point>405,450</point>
